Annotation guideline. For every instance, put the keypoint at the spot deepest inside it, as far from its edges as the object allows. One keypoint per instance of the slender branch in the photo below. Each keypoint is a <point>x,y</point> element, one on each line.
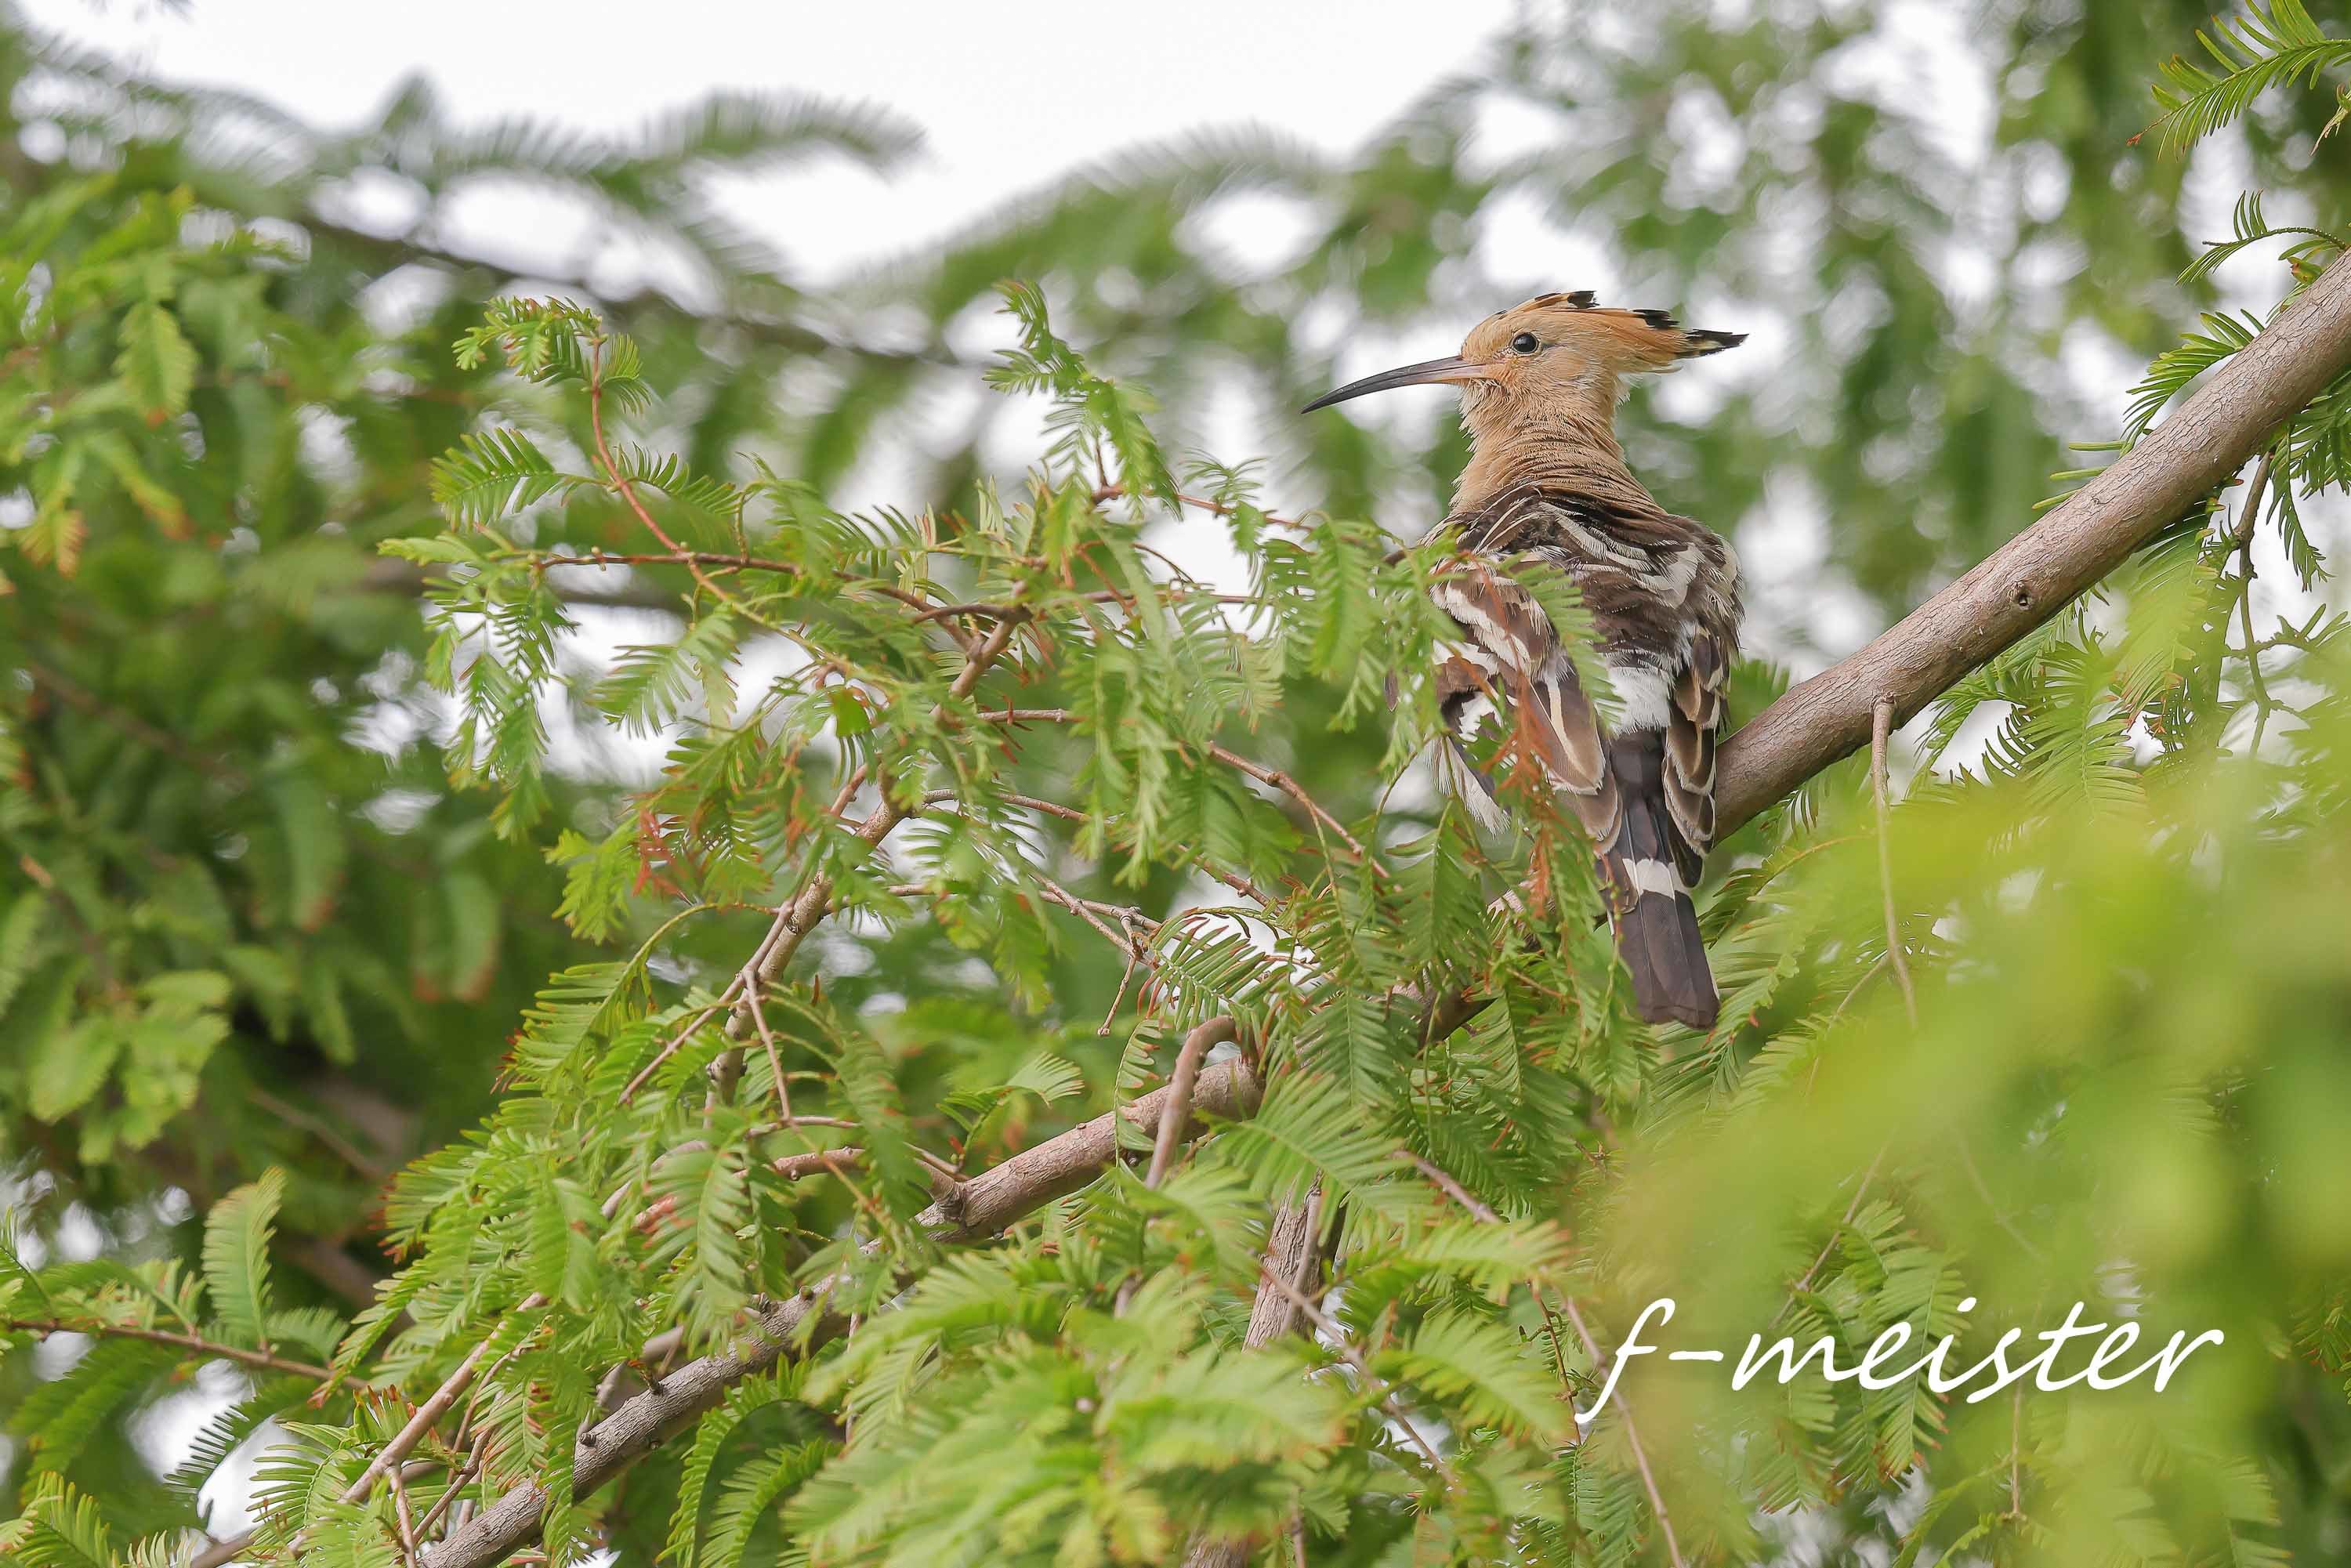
<point>1092,912</point>
<point>458,1483</point>
<point>792,1167</point>
<point>1178,1108</point>
<point>261,1359</point>
<point>1484,1213</point>
<point>1233,880</point>
<point>2247,520</point>
<point>800,916</point>
<point>1273,777</point>
<point>1291,787</point>
<point>1805,1280</point>
<point>977,1208</point>
<point>429,1414</point>
<point>1113,492</point>
<point>1354,1358</point>
<point>226,1549</point>
<point>1632,1432</point>
<point>628,492</point>
<point>1881,730</point>
<point>76,694</point>
<point>1176,1112</point>
<point>1443,1180</point>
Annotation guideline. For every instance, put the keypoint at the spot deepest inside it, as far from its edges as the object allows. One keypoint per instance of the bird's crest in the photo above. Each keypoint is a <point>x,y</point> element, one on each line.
<point>1618,340</point>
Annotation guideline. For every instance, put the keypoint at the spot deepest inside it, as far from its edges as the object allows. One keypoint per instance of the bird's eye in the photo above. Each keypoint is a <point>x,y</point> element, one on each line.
<point>1525,343</point>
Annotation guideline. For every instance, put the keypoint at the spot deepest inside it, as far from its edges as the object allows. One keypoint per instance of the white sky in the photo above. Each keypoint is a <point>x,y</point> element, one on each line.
<point>997,88</point>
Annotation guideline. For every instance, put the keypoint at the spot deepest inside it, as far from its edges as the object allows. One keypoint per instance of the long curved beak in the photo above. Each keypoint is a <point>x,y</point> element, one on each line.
<point>1450,370</point>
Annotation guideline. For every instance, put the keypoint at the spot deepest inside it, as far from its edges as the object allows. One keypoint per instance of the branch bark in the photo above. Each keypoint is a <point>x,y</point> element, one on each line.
<point>977,1208</point>
<point>797,918</point>
<point>1278,1310</point>
<point>2042,570</point>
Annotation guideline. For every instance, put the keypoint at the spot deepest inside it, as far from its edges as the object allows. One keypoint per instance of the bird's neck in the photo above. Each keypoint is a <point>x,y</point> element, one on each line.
<point>1572,450</point>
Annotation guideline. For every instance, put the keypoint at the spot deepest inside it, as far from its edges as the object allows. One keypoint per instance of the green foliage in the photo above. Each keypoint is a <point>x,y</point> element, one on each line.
<point>236,1258</point>
<point>2261,49</point>
<point>293,781</point>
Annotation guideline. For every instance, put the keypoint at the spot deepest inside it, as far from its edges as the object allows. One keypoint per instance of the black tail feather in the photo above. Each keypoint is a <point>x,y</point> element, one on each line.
<point>1657,924</point>
<point>1658,935</point>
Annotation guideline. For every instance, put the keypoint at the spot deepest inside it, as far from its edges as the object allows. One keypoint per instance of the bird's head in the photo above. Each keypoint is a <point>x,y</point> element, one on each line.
<point>1557,359</point>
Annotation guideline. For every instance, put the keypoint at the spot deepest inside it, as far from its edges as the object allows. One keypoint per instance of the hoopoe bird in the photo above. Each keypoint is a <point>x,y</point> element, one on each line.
<point>1547,480</point>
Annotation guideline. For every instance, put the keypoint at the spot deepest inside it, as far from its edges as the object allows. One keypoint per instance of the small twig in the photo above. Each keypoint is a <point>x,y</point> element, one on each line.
<point>293,1115</point>
<point>1632,1434</point>
<point>819,1162</point>
<point>627,493</point>
<point>2247,519</point>
<point>684,1031</point>
<point>79,696</point>
<point>1291,787</point>
<point>1118,999</point>
<point>1178,1108</point>
<point>429,1413</point>
<point>1175,1110</point>
<point>1354,1358</point>
<point>801,915</point>
<point>1085,909</point>
<point>264,1360</point>
<point>407,1522</point>
<point>1115,492</point>
<point>990,612</point>
<point>458,1483</point>
<point>1453,1189</point>
<point>774,1059</point>
<point>1461,1195</point>
<point>1233,880</point>
<point>733,562</point>
<point>1983,1191</point>
<point>1805,1280</point>
<point>2015,1453</point>
<point>1881,728</point>
<point>1257,770</point>
<point>225,1549</point>
<point>2249,516</point>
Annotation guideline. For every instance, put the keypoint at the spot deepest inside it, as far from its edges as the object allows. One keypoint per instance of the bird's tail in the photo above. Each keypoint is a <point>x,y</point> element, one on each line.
<point>1657,924</point>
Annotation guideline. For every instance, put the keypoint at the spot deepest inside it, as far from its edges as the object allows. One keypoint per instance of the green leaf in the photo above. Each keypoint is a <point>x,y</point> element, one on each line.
<point>59,1528</point>
<point>156,363</point>
<point>652,684</point>
<point>236,1258</point>
<point>2264,47</point>
<point>493,475</point>
<point>70,1064</point>
<point>1485,1370</point>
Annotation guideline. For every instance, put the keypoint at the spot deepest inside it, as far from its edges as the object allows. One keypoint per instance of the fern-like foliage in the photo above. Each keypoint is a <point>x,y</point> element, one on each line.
<point>2262,47</point>
<point>237,1259</point>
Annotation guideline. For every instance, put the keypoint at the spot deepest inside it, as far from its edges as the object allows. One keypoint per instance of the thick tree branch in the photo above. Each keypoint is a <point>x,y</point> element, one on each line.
<point>2042,570</point>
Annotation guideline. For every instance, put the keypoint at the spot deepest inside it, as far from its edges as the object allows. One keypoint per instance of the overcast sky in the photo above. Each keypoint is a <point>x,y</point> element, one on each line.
<point>995,88</point>
<point>998,92</point>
